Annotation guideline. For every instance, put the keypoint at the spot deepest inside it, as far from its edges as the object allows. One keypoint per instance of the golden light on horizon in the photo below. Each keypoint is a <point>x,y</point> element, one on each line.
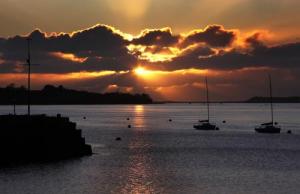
<point>69,57</point>
<point>86,75</point>
<point>145,73</point>
<point>21,78</point>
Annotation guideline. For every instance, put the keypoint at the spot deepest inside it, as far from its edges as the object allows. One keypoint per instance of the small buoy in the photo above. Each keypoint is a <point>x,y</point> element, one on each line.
<point>84,118</point>
<point>170,120</point>
<point>289,132</point>
<point>224,121</point>
<point>129,126</point>
<point>118,139</point>
<point>128,119</point>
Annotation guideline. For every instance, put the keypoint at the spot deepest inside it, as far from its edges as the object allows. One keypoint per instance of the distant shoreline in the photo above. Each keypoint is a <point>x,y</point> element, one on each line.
<point>51,95</point>
<point>259,100</point>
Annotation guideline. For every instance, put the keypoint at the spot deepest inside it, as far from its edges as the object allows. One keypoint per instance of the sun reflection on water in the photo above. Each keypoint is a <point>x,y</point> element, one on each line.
<point>139,171</point>
<point>139,117</point>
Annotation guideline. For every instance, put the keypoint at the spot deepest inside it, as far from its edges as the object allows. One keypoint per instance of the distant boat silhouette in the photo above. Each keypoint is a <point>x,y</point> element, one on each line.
<point>205,124</point>
<point>271,126</point>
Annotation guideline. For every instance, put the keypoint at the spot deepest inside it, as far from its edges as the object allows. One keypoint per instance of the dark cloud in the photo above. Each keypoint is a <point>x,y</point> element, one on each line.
<point>258,55</point>
<point>282,56</point>
<point>255,42</point>
<point>214,35</point>
<point>103,46</point>
<point>158,50</point>
<point>161,37</point>
<point>100,38</point>
<point>191,57</point>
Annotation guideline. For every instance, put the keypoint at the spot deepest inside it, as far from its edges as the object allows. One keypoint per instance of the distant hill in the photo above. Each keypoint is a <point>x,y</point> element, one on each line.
<point>51,95</point>
<point>275,100</point>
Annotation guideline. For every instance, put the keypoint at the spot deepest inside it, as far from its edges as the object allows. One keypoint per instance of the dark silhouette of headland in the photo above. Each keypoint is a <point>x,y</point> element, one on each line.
<point>294,99</point>
<point>51,95</point>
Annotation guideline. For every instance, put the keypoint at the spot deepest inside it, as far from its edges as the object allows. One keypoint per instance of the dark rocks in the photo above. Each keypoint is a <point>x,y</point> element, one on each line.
<point>33,138</point>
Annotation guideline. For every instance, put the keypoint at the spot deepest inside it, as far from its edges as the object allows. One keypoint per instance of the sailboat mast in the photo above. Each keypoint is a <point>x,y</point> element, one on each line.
<point>29,72</point>
<point>271,99</point>
<point>207,99</point>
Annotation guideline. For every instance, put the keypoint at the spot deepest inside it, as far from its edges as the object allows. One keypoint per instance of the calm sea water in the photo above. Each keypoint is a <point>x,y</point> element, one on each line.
<point>158,156</point>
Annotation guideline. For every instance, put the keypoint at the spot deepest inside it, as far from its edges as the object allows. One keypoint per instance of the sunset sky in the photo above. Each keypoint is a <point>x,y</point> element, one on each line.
<point>161,47</point>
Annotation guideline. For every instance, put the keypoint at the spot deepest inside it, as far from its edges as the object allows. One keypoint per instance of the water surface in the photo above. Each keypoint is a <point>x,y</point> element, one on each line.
<point>158,156</point>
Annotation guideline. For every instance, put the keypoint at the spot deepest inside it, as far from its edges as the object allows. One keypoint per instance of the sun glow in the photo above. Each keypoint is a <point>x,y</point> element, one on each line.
<point>141,71</point>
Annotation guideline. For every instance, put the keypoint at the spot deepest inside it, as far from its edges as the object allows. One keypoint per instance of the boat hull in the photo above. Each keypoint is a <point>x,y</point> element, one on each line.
<point>268,129</point>
<point>206,127</point>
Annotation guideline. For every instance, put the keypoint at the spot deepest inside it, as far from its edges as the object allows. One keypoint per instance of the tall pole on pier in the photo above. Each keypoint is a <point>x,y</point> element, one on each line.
<point>207,98</point>
<point>271,99</point>
<point>29,72</point>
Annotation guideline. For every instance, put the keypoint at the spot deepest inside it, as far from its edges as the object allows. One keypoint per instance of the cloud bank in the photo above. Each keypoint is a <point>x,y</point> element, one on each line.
<point>103,48</point>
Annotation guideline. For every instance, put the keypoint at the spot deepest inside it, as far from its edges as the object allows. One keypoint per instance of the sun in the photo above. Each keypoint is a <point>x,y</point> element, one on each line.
<point>141,71</point>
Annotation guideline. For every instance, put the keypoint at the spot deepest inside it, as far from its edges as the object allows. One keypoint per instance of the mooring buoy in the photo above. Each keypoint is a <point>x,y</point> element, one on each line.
<point>118,139</point>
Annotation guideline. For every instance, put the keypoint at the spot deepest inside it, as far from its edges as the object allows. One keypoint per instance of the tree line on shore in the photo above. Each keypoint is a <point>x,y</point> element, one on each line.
<point>51,95</point>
